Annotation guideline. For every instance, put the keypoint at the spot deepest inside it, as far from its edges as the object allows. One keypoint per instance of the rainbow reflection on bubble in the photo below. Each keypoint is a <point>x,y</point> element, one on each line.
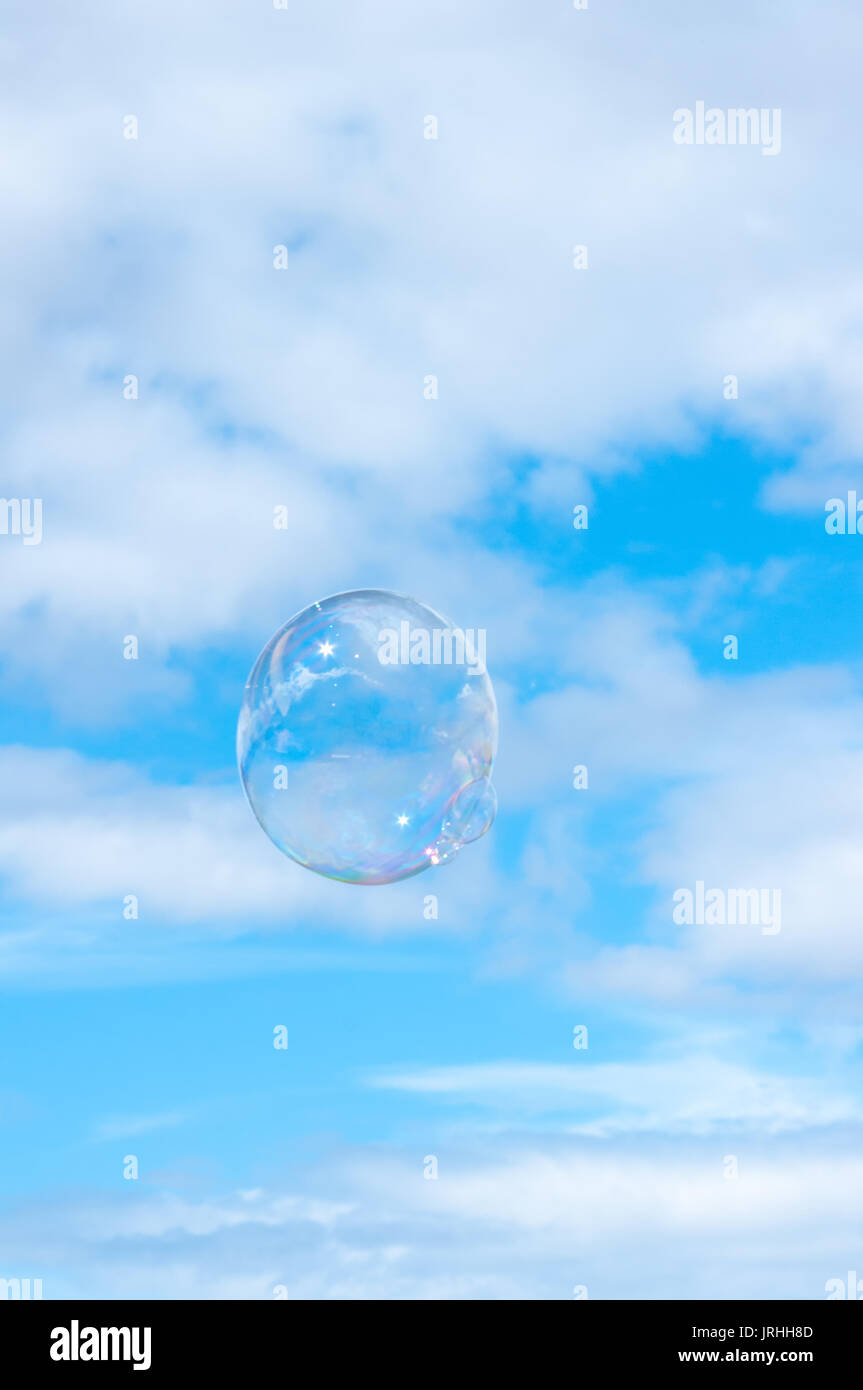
<point>365,748</point>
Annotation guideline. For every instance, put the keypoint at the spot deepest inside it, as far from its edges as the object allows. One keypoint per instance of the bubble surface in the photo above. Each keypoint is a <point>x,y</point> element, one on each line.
<point>366,738</point>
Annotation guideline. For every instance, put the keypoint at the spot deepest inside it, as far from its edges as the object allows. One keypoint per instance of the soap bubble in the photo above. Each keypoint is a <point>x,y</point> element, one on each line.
<point>366,738</point>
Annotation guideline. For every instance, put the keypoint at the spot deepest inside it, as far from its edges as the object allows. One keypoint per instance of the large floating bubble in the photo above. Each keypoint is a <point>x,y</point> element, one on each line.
<point>366,738</point>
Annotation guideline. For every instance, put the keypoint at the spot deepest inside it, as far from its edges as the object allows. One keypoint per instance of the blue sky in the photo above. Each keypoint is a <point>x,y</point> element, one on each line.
<point>258,387</point>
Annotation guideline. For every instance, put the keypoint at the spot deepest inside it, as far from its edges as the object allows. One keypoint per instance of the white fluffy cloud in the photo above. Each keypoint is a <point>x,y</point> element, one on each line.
<point>259,387</point>
<point>193,856</point>
<point>407,257</point>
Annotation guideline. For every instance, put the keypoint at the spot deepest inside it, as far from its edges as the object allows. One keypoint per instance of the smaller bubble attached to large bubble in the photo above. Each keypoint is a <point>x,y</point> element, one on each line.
<point>366,738</point>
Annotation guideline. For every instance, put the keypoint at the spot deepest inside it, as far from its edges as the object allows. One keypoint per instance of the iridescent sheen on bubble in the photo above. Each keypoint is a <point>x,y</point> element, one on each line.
<point>366,769</point>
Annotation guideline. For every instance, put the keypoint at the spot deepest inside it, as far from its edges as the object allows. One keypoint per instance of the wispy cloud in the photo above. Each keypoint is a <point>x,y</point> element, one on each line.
<point>699,1094</point>
<point>504,1220</point>
<point>128,1126</point>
